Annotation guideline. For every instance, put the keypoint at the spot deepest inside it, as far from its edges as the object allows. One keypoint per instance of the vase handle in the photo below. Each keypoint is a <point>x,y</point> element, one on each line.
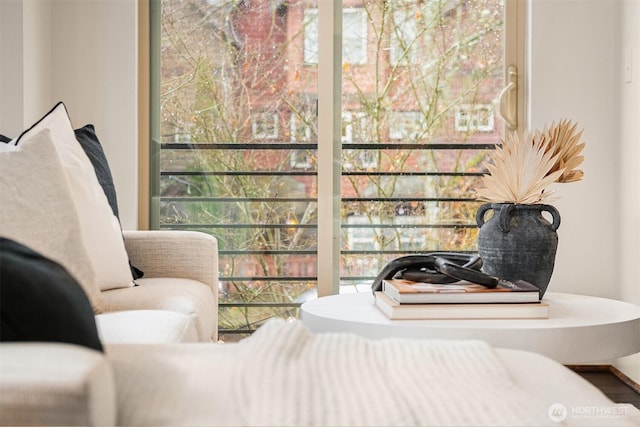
<point>505,213</point>
<point>554,214</point>
<point>502,215</point>
<point>482,210</point>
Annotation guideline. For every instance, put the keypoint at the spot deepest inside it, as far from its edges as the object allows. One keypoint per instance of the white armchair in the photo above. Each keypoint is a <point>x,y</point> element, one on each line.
<point>180,275</point>
<point>176,301</point>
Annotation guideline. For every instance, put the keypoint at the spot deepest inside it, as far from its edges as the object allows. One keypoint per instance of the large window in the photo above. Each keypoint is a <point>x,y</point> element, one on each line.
<point>252,147</point>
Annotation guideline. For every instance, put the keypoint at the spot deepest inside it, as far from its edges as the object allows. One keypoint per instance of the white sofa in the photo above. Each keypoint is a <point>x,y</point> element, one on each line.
<point>175,302</point>
<point>284,375</point>
<point>57,200</point>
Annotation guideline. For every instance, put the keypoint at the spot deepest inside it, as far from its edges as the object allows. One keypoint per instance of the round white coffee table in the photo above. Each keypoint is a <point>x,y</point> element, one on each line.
<point>580,329</point>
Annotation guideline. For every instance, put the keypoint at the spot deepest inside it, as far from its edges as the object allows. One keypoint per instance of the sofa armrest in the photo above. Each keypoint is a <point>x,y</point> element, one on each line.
<point>55,384</point>
<point>174,253</point>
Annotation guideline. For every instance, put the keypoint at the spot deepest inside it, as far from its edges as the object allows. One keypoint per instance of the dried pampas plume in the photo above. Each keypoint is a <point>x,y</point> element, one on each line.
<point>564,140</point>
<point>520,171</point>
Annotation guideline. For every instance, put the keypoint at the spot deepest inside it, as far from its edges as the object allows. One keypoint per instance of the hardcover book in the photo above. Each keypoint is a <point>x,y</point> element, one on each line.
<point>396,311</point>
<point>405,291</point>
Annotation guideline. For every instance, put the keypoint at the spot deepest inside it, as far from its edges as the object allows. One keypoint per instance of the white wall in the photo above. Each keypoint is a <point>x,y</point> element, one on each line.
<point>83,53</point>
<point>11,71</point>
<point>573,75</point>
<point>576,56</point>
<point>94,70</point>
<point>629,210</point>
<point>629,90</point>
<point>25,49</point>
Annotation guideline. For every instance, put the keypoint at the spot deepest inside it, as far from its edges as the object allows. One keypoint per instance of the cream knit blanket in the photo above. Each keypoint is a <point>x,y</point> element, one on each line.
<point>292,377</point>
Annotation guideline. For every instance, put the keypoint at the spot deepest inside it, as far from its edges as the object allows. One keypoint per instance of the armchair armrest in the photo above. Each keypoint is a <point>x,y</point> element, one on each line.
<point>55,384</point>
<point>174,253</point>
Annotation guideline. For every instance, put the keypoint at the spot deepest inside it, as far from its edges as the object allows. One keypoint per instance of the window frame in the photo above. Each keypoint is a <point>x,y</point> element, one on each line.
<point>329,129</point>
<point>329,147</point>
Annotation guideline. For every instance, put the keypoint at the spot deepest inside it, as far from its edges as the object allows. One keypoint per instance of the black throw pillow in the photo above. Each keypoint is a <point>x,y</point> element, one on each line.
<point>41,301</point>
<point>88,139</point>
<point>4,138</point>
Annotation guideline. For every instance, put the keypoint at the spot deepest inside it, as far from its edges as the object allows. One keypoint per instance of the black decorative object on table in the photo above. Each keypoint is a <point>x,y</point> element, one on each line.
<point>518,242</point>
<point>423,268</point>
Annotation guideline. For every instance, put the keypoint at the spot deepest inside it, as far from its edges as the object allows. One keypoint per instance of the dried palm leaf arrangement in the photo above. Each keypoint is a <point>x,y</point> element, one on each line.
<point>521,171</point>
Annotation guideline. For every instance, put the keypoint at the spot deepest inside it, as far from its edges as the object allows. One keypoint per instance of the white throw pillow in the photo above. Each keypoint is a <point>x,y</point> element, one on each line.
<point>37,208</point>
<point>99,228</point>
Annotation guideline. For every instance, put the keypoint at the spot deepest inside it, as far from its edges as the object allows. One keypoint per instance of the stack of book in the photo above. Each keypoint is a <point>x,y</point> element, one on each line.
<point>404,299</point>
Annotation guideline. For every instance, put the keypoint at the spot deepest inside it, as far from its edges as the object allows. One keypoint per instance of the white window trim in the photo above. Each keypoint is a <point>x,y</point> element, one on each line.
<point>349,117</point>
<point>293,127</point>
<point>347,138</point>
<point>299,158</point>
<point>396,57</point>
<point>361,49</point>
<point>267,118</point>
<point>468,118</point>
<point>311,28</point>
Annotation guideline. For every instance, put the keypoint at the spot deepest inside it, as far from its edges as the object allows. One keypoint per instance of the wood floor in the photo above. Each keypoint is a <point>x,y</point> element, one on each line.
<point>612,386</point>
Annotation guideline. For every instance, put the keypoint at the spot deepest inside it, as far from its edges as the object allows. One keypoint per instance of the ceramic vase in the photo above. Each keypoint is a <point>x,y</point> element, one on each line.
<point>518,242</point>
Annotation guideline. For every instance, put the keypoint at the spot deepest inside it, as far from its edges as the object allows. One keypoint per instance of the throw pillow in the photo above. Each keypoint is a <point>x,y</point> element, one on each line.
<point>100,229</point>
<point>41,301</point>
<point>4,138</point>
<point>90,143</point>
<point>37,207</point>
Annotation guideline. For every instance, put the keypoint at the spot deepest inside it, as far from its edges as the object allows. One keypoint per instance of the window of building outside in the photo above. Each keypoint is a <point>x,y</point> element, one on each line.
<point>236,119</point>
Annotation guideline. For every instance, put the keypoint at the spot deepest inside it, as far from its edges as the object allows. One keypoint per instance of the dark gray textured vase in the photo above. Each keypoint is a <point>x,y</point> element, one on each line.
<point>518,242</point>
